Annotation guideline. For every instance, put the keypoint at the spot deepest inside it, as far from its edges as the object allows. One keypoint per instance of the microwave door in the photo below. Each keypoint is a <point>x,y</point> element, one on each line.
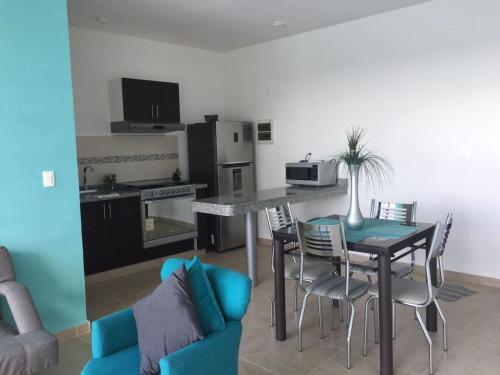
<point>234,142</point>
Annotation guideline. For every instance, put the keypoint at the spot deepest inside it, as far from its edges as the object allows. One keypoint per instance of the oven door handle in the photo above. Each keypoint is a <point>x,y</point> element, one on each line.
<point>190,196</point>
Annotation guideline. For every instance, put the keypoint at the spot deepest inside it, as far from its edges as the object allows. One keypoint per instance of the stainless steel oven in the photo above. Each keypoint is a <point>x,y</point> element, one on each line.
<point>166,220</point>
<point>166,212</point>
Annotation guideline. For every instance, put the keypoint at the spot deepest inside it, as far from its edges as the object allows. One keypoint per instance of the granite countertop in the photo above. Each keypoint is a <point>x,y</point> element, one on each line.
<point>242,203</point>
<point>121,192</point>
<point>103,194</point>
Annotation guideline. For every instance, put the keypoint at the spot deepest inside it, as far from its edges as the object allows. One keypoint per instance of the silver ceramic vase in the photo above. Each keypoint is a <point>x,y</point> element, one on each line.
<point>354,219</point>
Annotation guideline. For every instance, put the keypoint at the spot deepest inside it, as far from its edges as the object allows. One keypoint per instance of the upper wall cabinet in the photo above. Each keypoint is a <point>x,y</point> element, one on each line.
<point>144,101</point>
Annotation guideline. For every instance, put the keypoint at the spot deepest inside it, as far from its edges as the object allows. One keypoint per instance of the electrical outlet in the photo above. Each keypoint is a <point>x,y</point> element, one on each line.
<point>48,179</point>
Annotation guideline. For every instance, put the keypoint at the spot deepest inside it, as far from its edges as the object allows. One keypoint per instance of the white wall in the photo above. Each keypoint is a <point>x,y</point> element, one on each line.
<point>424,81</point>
<point>99,57</point>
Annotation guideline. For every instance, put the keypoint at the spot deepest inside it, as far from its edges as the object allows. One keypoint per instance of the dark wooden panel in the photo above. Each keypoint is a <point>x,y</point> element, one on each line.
<point>137,100</point>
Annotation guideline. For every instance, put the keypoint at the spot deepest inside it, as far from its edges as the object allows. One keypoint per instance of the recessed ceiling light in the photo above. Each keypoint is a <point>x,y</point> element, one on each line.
<point>101,19</point>
<point>278,24</point>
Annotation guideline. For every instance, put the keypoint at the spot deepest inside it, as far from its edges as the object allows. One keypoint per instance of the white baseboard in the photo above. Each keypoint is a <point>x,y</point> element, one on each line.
<point>72,332</point>
<point>127,270</point>
<point>450,275</point>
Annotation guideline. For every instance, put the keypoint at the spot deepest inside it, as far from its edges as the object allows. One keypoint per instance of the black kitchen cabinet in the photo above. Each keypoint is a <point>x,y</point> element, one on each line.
<point>111,233</point>
<point>150,101</point>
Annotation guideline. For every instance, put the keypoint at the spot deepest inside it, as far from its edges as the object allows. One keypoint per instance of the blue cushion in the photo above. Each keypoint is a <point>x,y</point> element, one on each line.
<point>210,315</point>
<point>125,361</point>
<point>232,289</point>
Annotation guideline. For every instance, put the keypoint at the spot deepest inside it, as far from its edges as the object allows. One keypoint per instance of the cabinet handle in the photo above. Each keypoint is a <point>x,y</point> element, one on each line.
<point>157,113</point>
<point>109,206</point>
<point>152,111</point>
<point>104,211</point>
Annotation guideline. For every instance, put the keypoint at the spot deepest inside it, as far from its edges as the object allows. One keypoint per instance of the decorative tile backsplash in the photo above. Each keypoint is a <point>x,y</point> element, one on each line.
<point>126,158</point>
<point>131,158</point>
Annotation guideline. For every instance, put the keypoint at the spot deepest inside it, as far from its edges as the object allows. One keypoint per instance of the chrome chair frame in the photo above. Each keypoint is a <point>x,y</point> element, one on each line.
<point>438,245</point>
<point>406,212</point>
<point>281,217</point>
<point>328,241</point>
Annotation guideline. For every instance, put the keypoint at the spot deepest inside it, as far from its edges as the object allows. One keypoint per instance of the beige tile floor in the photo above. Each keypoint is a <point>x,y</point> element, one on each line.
<point>474,331</point>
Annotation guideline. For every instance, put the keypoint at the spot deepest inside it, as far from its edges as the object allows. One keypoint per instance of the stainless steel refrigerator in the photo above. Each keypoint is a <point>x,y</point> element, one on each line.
<point>221,154</point>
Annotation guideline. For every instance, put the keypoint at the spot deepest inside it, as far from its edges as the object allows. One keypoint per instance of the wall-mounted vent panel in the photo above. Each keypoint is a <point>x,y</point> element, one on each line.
<point>265,133</point>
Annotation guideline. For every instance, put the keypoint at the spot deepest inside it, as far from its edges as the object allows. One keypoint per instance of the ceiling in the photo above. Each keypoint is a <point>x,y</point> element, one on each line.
<point>221,25</point>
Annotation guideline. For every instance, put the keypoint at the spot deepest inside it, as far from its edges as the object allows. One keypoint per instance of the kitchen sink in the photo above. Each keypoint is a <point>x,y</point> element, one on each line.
<point>109,195</point>
<point>88,191</point>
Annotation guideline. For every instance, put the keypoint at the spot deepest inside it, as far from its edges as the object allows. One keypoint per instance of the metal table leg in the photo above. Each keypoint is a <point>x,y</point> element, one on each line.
<point>279,290</point>
<point>431,311</point>
<point>251,246</point>
<point>385,314</point>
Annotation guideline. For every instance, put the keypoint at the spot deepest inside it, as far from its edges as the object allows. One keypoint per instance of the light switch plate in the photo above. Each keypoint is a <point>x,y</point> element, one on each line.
<point>48,179</point>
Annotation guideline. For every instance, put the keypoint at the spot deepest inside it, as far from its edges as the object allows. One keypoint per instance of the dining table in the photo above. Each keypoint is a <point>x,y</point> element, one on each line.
<point>387,241</point>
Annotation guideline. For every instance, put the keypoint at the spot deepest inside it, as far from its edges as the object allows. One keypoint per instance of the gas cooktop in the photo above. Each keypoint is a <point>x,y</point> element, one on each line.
<point>161,188</point>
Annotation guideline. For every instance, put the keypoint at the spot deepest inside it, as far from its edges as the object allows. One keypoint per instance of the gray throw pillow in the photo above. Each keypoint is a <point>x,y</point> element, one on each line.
<point>166,321</point>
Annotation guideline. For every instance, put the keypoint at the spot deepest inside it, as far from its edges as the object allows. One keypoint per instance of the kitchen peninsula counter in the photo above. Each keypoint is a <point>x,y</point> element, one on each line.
<point>251,202</point>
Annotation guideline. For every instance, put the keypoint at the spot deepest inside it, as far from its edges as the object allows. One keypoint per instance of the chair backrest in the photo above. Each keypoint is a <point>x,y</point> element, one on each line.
<point>439,240</point>
<point>325,241</point>
<point>232,289</point>
<point>406,212</point>
<point>279,217</point>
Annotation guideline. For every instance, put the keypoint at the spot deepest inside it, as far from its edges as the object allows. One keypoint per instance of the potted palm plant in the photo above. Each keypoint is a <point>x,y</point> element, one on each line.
<point>356,160</point>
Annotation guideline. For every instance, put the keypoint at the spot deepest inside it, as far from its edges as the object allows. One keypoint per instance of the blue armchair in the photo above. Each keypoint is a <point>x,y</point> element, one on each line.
<point>114,337</point>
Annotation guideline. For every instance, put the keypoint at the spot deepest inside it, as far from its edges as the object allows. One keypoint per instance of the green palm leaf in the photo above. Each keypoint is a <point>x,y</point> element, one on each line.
<point>374,167</point>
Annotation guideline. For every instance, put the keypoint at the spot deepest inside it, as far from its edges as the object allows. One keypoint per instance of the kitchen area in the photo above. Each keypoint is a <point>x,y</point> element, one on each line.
<point>135,204</point>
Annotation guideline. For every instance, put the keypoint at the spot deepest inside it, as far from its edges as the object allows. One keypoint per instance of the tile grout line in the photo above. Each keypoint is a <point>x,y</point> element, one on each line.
<point>258,366</point>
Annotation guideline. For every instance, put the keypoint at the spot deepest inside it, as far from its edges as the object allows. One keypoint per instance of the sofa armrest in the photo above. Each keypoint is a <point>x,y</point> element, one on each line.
<point>113,332</point>
<point>216,354</point>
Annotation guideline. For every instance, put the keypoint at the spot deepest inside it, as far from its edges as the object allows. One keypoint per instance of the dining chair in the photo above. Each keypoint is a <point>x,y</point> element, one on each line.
<point>417,294</point>
<point>279,218</point>
<point>404,212</point>
<point>328,241</point>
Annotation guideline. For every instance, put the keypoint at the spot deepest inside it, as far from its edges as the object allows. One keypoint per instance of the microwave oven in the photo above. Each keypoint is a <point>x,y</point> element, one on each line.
<point>311,173</point>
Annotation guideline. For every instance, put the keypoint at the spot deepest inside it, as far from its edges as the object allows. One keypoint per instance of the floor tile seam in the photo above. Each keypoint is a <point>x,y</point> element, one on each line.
<point>258,366</point>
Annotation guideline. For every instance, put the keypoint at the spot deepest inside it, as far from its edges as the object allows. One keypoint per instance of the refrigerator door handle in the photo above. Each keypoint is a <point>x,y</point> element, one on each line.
<point>236,164</point>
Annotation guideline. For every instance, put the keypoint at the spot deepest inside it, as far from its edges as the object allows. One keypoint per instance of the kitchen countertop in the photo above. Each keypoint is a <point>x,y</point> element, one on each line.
<point>102,195</point>
<point>242,203</point>
<point>121,192</point>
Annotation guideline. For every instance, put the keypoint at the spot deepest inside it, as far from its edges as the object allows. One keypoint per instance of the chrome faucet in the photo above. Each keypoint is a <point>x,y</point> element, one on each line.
<point>85,175</point>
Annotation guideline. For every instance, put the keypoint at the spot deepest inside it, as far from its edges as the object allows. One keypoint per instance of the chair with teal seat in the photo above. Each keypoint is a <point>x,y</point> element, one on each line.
<point>114,337</point>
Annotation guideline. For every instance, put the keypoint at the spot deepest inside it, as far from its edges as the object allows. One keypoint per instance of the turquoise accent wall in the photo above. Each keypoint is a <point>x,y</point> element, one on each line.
<point>40,226</point>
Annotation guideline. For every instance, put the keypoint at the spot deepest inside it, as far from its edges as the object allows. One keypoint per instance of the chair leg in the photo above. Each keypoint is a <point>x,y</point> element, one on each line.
<point>429,340</point>
<point>393,320</point>
<point>365,325</point>
<point>295,296</point>
<point>301,319</point>
<point>349,333</point>
<point>332,317</point>
<point>348,307</point>
<point>320,313</point>
<point>341,311</point>
<point>375,319</point>
<point>445,325</point>
<point>369,279</point>
<point>273,310</point>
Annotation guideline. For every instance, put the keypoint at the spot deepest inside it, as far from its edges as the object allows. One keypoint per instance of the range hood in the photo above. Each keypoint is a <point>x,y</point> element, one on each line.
<point>141,106</point>
<point>144,127</point>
